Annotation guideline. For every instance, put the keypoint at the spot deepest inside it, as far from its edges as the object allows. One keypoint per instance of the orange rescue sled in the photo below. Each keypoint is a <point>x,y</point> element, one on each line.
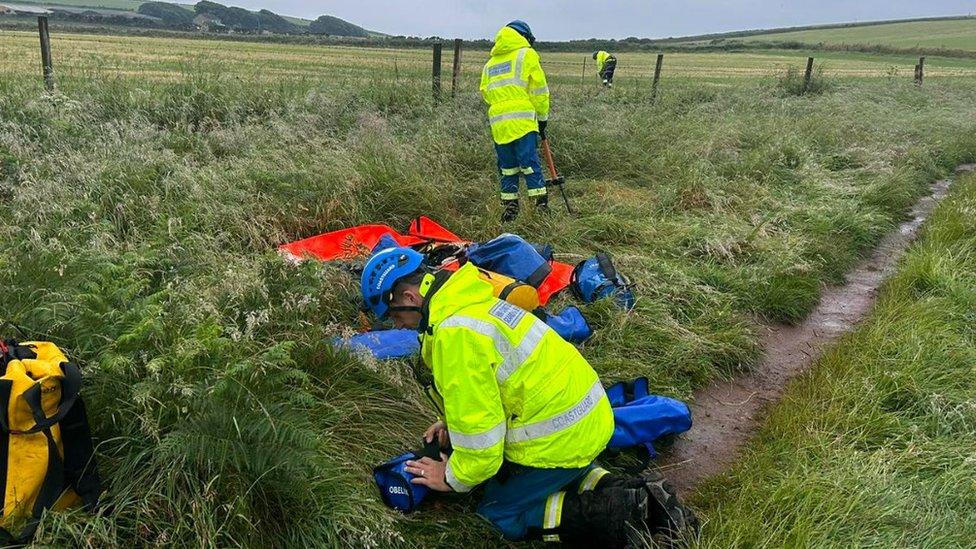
<point>358,243</point>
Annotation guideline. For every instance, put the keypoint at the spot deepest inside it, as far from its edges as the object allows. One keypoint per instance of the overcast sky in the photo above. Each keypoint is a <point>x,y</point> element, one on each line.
<point>568,19</point>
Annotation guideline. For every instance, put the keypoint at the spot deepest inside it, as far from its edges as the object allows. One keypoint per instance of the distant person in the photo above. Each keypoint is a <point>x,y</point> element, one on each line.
<point>515,89</point>
<point>606,63</point>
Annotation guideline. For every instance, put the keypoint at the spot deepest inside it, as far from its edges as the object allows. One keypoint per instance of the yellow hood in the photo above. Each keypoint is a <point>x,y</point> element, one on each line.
<point>508,40</point>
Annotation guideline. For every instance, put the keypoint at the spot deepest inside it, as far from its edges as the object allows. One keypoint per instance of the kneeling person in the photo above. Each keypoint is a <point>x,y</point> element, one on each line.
<point>522,410</point>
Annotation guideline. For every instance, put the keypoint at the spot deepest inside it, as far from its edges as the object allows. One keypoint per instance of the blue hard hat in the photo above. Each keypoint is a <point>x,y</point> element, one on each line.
<point>395,484</point>
<point>381,274</point>
<point>522,28</point>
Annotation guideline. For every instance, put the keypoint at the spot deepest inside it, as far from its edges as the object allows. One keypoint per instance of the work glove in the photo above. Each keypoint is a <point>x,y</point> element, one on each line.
<point>542,129</point>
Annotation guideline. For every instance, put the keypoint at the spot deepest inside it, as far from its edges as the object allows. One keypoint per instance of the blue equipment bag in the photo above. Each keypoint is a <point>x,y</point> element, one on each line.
<point>383,344</point>
<point>511,255</point>
<point>597,278</point>
<point>393,480</point>
<point>641,418</point>
<point>570,324</point>
<point>544,250</point>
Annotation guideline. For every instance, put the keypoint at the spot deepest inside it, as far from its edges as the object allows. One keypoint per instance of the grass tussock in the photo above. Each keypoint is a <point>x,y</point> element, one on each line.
<point>795,82</point>
<point>874,447</point>
<point>140,219</point>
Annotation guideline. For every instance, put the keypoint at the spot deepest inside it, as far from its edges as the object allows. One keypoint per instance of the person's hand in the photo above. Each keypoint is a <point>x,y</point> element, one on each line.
<point>429,473</point>
<point>542,129</point>
<point>438,430</point>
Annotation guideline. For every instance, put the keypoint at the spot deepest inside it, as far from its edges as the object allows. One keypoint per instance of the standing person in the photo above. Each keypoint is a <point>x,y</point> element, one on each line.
<point>522,411</point>
<point>515,89</point>
<point>606,63</point>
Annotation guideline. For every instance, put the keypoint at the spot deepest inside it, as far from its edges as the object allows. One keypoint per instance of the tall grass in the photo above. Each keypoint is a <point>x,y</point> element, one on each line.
<point>874,447</point>
<point>139,222</point>
<point>794,82</point>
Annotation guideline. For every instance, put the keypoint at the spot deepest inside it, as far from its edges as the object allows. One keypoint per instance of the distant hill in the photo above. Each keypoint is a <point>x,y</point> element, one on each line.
<point>327,24</point>
<point>173,15</point>
<point>954,33</point>
<point>242,20</point>
<point>126,5</point>
<point>181,16</point>
<point>297,20</point>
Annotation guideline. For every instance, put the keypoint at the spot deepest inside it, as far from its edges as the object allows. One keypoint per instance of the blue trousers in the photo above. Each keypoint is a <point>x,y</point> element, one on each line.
<point>527,498</point>
<point>520,157</point>
<point>608,69</point>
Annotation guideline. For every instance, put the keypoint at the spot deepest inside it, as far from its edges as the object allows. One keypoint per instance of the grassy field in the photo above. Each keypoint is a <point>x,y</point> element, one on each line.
<point>91,56</point>
<point>955,35</point>
<point>874,447</point>
<point>141,204</point>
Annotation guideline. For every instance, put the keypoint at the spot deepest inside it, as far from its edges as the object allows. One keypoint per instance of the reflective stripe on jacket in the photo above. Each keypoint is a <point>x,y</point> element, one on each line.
<point>515,88</point>
<point>512,388</point>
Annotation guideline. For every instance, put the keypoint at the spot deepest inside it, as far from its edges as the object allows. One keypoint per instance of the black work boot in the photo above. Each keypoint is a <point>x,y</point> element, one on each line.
<point>618,481</point>
<point>610,519</point>
<point>511,210</point>
<point>666,514</point>
<point>542,204</point>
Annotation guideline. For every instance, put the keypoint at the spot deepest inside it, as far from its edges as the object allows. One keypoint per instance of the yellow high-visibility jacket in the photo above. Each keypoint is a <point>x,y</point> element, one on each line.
<point>601,60</point>
<point>514,87</point>
<point>511,388</point>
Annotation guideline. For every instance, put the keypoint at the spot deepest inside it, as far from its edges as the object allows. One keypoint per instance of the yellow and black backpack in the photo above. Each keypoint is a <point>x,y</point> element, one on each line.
<point>46,454</point>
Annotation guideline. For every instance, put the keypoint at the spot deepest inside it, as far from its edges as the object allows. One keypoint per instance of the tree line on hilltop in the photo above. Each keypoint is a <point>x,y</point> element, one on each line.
<point>214,17</point>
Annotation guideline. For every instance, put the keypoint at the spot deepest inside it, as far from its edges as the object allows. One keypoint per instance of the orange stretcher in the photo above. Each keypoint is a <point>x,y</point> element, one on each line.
<point>423,232</point>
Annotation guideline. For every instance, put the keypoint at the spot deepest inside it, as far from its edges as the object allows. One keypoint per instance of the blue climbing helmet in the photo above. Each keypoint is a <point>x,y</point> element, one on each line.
<point>522,28</point>
<point>383,270</point>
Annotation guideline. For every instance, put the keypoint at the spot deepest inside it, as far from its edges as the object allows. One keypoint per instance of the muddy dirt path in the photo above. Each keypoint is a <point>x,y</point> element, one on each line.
<point>727,413</point>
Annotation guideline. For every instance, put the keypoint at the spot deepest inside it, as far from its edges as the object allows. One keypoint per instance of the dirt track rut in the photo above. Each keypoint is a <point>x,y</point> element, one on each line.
<point>728,413</point>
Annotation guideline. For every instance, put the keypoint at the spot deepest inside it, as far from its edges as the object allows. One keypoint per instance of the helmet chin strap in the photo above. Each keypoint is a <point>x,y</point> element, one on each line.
<point>403,309</point>
<point>425,286</point>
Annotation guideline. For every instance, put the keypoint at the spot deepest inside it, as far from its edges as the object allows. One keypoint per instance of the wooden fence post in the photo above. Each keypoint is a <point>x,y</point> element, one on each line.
<point>456,71</point>
<point>46,52</point>
<point>436,72</point>
<point>583,75</point>
<point>657,75</point>
<point>808,75</point>
<point>920,71</point>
